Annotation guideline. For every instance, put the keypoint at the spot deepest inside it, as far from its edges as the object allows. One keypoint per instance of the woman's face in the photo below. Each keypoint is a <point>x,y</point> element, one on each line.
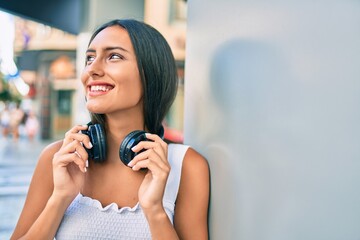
<point>111,77</point>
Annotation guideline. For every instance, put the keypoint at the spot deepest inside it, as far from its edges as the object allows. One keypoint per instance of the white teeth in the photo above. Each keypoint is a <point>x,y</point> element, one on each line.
<point>98,88</point>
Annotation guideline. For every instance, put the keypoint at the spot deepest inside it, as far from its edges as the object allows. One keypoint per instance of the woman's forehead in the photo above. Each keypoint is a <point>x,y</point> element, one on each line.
<point>112,36</point>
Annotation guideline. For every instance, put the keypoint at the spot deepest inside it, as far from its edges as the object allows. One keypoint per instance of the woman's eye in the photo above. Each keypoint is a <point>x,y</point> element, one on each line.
<point>89,59</point>
<point>116,56</point>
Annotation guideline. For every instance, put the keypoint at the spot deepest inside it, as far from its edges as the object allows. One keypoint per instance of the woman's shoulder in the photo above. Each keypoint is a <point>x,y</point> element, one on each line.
<point>53,147</point>
<point>195,162</point>
<point>48,152</point>
<point>191,158</point>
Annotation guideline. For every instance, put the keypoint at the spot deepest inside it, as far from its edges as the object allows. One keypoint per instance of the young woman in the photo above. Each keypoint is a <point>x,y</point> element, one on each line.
<point>163,193</point>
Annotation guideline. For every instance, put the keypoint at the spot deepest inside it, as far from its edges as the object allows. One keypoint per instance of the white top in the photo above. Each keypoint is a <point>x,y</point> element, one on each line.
<point>87,219</point>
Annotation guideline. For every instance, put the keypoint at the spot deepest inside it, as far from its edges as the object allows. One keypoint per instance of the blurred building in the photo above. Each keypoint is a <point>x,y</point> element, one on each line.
<point>50,42</point>
<point>46,57</point>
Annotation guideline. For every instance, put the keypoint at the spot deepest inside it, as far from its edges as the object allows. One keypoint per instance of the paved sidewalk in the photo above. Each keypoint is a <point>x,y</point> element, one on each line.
<point>17,163</point>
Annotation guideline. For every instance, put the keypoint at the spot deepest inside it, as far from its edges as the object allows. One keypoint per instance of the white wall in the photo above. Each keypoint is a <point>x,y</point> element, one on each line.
<point>272,99</point>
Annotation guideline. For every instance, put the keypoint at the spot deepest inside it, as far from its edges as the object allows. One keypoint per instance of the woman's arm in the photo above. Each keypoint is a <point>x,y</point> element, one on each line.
<point>57,180</point>
<point>191,209</point>
<point>40,190</point>
<point>190,218</point>
<point>151,191</point>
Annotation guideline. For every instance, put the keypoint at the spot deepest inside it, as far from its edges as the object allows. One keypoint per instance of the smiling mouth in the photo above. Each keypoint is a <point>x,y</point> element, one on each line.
<point>100,88</point>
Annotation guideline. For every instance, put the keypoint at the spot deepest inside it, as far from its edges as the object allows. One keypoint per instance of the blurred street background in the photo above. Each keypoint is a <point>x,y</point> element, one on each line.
<point>41,57</point>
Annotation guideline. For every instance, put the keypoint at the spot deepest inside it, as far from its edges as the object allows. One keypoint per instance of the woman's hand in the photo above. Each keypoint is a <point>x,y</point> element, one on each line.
<point>154,158</point>
<point>70,162</point>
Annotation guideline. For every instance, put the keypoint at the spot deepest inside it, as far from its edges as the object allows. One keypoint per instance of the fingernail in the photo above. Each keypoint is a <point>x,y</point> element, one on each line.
<point>85,169</point>
<point>134,148</point>
<point>85,125</point>
<point>130,163</point>
<point>87,163</point>
<point>90,145</point>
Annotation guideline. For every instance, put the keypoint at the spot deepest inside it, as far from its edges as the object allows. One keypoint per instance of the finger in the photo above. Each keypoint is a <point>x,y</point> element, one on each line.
<point>74,130</point>
<point>63,160</point>
<point>156,146</point>
<point>158,170</point>
<point>79,149</point>
<point>142,156</point>
<point>142,164</point>
<point>155,138</point>
<point>74,147</point>
<point>82,138</point>
<point>149,154</point>
<point>80,162</point>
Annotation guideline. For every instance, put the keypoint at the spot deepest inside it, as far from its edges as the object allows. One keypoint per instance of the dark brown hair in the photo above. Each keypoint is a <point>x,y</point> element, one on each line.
<point>157,70</point>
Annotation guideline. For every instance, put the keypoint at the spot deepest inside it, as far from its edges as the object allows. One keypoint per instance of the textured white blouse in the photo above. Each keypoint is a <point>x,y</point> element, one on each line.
<point>87,219</point>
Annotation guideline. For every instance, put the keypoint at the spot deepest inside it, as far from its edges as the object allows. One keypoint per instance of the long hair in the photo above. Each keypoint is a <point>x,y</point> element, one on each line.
<point>157,70</point>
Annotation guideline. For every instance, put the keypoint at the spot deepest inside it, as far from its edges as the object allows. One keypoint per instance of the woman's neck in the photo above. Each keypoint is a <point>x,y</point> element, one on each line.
<point>119,125</point>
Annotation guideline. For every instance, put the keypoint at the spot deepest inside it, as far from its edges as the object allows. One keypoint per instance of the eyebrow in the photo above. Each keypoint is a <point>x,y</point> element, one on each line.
<point>108,49</point>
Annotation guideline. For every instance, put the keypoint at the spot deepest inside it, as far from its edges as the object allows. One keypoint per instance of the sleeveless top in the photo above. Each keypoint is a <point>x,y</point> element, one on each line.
<point>87,219</point>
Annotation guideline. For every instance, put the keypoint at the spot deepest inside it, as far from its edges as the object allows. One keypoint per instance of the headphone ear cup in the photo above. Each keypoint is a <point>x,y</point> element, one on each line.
<point>98,139</point>
<point>131,140</point>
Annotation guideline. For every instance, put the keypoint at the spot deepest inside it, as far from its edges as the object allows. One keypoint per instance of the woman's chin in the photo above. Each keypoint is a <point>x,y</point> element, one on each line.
<point>94,109</point>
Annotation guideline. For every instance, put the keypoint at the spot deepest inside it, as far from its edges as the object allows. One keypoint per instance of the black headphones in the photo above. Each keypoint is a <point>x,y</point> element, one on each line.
<point>97,137</point>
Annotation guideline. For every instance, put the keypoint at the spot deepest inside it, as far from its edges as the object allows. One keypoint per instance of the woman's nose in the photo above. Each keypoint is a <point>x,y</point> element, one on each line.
<point>95,68</point>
